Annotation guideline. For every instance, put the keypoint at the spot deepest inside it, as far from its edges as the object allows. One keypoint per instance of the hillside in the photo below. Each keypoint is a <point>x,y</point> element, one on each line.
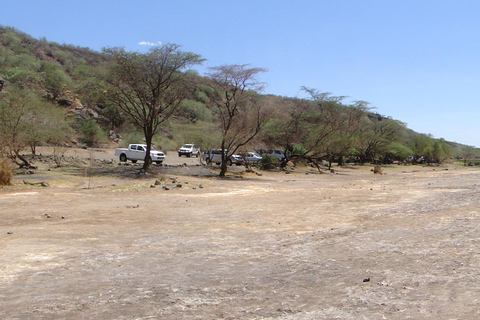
<point>64,86</point>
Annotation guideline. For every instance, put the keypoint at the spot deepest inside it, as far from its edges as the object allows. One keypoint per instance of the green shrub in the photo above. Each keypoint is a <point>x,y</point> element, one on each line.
<point>299,149</point>
<point>6,173</point>
<point>201,96</point>
<point>92,133</point>
<point>268,162</point>
<point>194,111</point>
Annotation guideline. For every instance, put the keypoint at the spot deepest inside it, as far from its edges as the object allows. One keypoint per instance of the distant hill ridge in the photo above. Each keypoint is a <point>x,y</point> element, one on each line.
<point>68,76</point>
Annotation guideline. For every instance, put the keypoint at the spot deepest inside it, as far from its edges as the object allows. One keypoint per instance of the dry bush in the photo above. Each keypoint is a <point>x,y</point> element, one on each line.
<point>6,173</point>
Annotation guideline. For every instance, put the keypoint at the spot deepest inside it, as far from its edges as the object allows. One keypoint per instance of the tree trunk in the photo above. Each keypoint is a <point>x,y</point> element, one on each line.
<point>148,139</point>
<point>223,169</point>
<point>24,163</point>
<point>33,148</point>
<point>223,165</point>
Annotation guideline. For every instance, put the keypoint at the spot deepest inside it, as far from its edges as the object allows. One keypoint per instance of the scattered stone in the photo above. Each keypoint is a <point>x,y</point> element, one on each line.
<point>9,232</point>
<point>377,170</point>
<point>152,186</point>
<point>366,280</point>
<point>179,185</point>
<point>200,186</point>
<point>48,216</point>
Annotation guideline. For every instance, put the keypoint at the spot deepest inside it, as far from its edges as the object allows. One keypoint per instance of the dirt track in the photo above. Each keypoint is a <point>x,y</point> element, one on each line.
<point>276,246</point>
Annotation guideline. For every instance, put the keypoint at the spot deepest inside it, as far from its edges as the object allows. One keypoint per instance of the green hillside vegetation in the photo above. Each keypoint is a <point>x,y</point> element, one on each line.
<point>62,95</point>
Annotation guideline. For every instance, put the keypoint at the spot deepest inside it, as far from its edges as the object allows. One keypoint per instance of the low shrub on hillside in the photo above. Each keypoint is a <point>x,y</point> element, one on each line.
<point>92,133</point>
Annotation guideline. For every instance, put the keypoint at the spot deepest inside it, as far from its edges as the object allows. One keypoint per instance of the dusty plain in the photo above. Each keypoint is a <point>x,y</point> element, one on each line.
<point>102,243</point>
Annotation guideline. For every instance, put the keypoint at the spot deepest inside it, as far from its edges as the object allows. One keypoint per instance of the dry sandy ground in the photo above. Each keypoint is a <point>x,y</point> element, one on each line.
<point>276,246</point>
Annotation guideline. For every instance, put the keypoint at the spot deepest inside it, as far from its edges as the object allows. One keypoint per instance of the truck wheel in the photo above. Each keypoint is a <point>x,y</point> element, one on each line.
<point>229,162</point>
<point>189,155</point>
<point>180,155</point>
<point>208,161</point>
<point>198,153</point>
<point>123,157</point>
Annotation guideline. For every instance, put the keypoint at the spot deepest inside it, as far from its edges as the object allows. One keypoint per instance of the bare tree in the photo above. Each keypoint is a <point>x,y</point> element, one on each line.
<point>467,152</point>
<point>240,112</point>
<point>149,87</point>
<point>15,110</point>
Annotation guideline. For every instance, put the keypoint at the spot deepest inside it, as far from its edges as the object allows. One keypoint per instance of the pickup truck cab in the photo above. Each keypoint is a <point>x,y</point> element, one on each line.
<point>189,150</point>
<point>136,152</point>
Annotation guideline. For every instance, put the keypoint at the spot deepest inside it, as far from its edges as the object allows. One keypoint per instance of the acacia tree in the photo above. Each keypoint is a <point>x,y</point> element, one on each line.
<point>149,87</point>
<point>323,127</point>
<point>377,136</point>
<point>419,144</point>
<point>438,151</point>
<point>240,112</point>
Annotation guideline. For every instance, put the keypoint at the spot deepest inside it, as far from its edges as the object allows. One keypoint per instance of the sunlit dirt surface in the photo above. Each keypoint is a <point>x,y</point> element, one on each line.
<point>349,245</point>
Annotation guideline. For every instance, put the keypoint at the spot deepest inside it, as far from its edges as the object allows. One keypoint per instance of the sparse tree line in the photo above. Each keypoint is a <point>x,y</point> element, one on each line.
<point>157,94</point>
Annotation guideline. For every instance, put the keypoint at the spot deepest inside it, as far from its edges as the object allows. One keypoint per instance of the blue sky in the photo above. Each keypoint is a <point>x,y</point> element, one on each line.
<point>417,61</point>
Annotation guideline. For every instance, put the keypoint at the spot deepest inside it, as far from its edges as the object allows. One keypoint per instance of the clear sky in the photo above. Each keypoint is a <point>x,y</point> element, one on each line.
<point>417,61</point>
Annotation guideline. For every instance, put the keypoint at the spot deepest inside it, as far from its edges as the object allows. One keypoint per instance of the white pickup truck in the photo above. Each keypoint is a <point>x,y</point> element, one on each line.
<point>189,150</point>
<point>137,152</point>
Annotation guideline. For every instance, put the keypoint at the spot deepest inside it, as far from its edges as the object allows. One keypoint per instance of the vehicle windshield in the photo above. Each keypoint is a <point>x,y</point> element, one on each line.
<point>188,145</point>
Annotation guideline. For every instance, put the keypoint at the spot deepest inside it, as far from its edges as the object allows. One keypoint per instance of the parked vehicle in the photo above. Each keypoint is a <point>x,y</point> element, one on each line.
<point>236,160</point>
<point>273,153</point>
<point>136,152</point>
<point>251,158</point>
<point>215,156</point>
<point>189,150</point>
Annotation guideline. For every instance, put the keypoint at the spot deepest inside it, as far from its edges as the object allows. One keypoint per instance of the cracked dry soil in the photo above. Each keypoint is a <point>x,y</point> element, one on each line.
<point>353,245</point>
